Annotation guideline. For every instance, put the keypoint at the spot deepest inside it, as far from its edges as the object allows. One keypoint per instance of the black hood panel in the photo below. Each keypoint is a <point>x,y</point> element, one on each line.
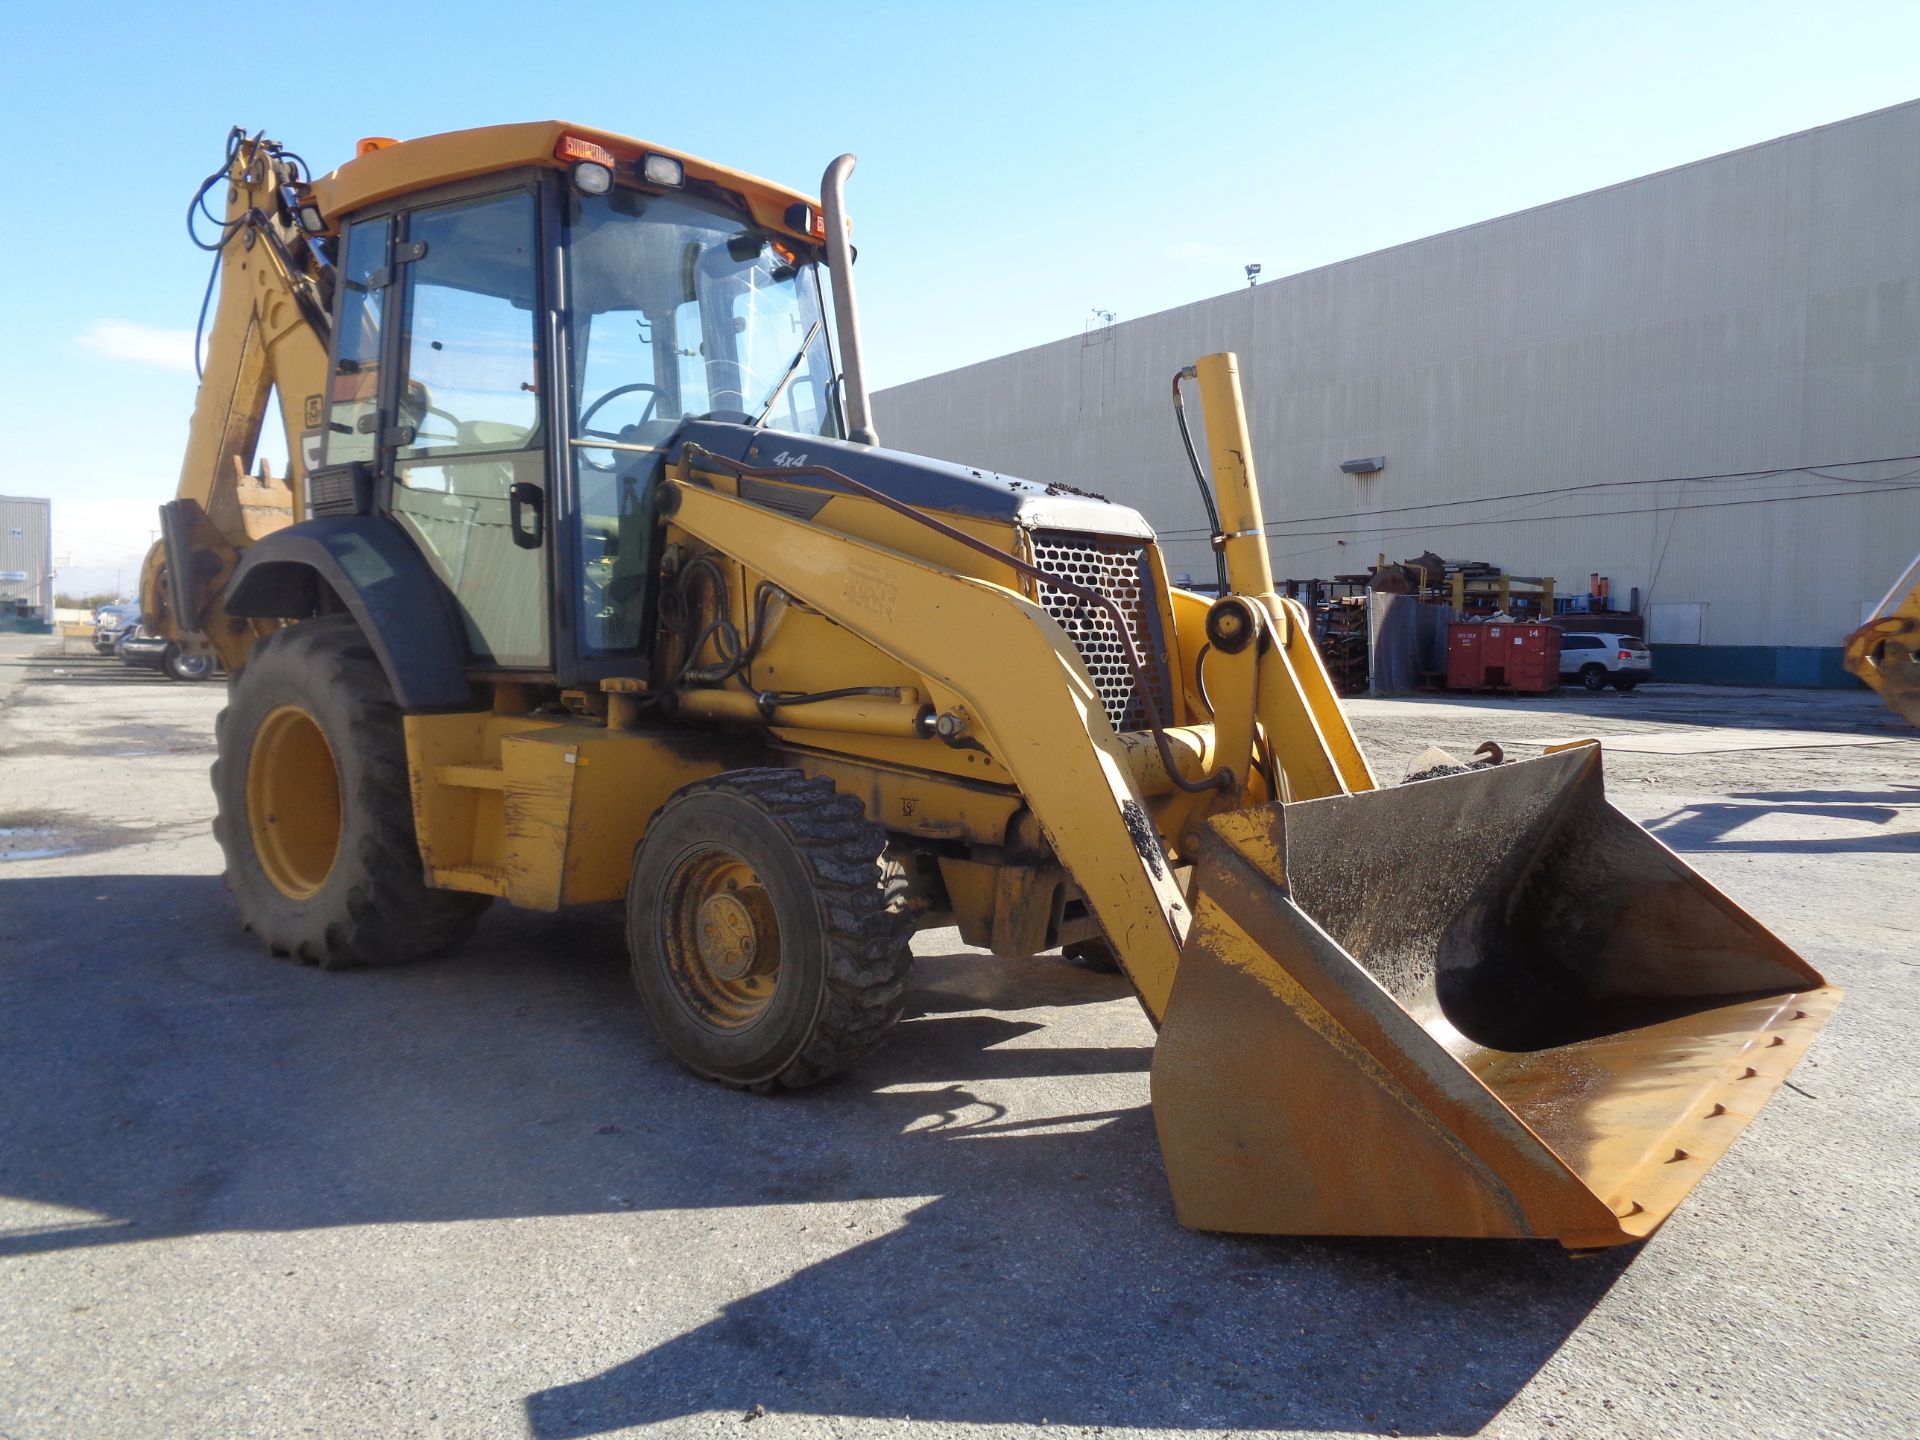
<point>918,481</point>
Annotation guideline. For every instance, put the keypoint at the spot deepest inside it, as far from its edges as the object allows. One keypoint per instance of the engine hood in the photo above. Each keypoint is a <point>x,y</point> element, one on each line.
<point>916,480</point>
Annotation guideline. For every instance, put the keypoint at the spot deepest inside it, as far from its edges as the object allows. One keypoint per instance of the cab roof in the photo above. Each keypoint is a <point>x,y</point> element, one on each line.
<point>386,168</point>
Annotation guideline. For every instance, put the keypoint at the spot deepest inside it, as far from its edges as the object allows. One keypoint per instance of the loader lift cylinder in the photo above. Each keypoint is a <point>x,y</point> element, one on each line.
<point>1235,487</point>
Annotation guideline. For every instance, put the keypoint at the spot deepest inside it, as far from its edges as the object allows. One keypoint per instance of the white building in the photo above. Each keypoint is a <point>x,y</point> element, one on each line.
<point>26,559</point>
<point>1703,384</point>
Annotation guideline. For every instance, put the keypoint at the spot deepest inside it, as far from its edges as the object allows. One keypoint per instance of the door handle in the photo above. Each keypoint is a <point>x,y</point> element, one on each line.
<point>523,499</point>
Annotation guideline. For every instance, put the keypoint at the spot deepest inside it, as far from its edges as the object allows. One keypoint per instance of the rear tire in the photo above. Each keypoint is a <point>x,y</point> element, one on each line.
<point>768,929</point>
<point>314,812</point>
<point>1624,682</point>
<point>1594,677</point>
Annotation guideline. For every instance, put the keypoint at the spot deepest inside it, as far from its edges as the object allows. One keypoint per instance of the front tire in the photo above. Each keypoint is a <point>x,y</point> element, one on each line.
<point>313,808</point>
<point>1095,955</point>
<point>768,929</point>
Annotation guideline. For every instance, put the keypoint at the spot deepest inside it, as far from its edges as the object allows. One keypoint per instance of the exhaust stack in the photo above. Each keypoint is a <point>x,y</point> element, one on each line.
<point>846,313</point>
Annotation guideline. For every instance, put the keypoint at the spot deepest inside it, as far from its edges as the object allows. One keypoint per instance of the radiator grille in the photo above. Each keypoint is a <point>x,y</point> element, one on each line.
<point>1116,567</point>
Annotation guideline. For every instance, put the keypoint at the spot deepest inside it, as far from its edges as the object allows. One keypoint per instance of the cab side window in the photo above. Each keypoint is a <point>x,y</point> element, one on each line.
<point>469,474</point>
<point>470,358</point>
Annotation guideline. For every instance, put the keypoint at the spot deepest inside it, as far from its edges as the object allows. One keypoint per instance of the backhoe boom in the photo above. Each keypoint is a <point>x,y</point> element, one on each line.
<point>268,337</point>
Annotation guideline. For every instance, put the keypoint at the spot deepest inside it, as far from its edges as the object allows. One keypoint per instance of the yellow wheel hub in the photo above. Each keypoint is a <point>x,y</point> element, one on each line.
<point>725,940</point>
<point>293,802</point>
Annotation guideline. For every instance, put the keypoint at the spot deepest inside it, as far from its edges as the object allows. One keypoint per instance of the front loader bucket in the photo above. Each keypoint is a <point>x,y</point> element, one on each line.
<point>1484,1005</point>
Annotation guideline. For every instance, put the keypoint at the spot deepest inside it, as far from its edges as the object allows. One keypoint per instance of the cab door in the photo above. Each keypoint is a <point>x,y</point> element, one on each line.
<point>464,461</point>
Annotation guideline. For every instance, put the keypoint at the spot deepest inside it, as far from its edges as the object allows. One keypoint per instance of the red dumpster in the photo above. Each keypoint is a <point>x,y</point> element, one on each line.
<point>1464,650</point>
<point>1522,658</point>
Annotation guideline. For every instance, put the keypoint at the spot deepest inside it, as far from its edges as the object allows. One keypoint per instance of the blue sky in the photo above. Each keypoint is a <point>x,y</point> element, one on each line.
<point>1021,165</point>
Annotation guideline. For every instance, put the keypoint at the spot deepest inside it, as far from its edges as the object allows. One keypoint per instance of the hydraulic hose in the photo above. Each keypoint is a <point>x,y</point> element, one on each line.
<point>1218,537</point>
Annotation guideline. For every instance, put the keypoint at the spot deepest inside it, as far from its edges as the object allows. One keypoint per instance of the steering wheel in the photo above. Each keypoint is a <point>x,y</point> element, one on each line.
<point>420,434</point>
<point>416,404</point>
<point>653,392</point>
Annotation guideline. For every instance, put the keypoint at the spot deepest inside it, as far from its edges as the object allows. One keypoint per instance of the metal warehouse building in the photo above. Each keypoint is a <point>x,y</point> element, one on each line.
<point>1703,384</point>
<point>26,559</point>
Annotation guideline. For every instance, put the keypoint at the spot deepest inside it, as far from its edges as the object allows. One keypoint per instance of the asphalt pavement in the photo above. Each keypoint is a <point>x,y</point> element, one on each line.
<point>474,1197</point>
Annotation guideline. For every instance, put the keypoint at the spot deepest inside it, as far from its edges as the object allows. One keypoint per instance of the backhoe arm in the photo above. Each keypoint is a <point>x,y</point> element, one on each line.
<point>269,333</point>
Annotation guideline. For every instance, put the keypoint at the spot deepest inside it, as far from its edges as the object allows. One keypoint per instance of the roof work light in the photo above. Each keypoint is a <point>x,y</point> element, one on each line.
<point>663,170</point>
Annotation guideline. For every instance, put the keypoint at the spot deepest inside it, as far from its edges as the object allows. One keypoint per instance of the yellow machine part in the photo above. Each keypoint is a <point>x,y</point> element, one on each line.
<point>546,812</point>
<point>258,343</point>
<point>1482,1005</point>
<point>382,170</point>
<point>1884,653</point>
<point>1487,1004</point>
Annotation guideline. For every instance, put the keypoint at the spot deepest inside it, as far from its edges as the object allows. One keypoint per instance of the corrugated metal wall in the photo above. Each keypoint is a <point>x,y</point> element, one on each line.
<point>26,553</point>
<point>1754,312</point>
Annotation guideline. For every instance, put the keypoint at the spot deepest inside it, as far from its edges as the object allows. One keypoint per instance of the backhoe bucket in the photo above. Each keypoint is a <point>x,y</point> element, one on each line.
<point>1483,1005</point>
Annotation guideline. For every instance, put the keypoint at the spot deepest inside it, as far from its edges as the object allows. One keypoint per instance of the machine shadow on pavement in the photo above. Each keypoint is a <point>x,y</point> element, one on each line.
<point>169,1080</point>
<point>1868,818</point>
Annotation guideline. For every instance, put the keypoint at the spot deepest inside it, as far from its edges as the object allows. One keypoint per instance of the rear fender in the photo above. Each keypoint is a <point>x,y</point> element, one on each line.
<point>378,576</point>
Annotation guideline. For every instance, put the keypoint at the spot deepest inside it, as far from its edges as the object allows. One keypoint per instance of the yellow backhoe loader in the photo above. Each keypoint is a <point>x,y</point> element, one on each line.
<point>591,583</point>
<point>1884,653</point>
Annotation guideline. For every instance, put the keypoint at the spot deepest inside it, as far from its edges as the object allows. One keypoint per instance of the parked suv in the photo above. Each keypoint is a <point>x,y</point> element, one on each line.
<point>112,624</point>
<point>1598,657</point>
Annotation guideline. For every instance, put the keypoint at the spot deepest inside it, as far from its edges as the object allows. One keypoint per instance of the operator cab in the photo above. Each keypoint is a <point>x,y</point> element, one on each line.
<point>513,354</point>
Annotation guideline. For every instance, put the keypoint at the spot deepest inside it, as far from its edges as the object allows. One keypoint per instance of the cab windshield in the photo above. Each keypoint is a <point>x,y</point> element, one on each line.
<point>683,313</point>
<point>675,312</point>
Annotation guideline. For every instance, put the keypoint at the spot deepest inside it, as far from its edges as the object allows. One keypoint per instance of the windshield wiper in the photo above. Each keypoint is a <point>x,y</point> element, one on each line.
<point>793,367</point>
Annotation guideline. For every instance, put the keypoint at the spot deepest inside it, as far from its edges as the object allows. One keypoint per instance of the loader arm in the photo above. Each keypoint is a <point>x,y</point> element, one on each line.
<point>269,333</point>
<point>998,663</point>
